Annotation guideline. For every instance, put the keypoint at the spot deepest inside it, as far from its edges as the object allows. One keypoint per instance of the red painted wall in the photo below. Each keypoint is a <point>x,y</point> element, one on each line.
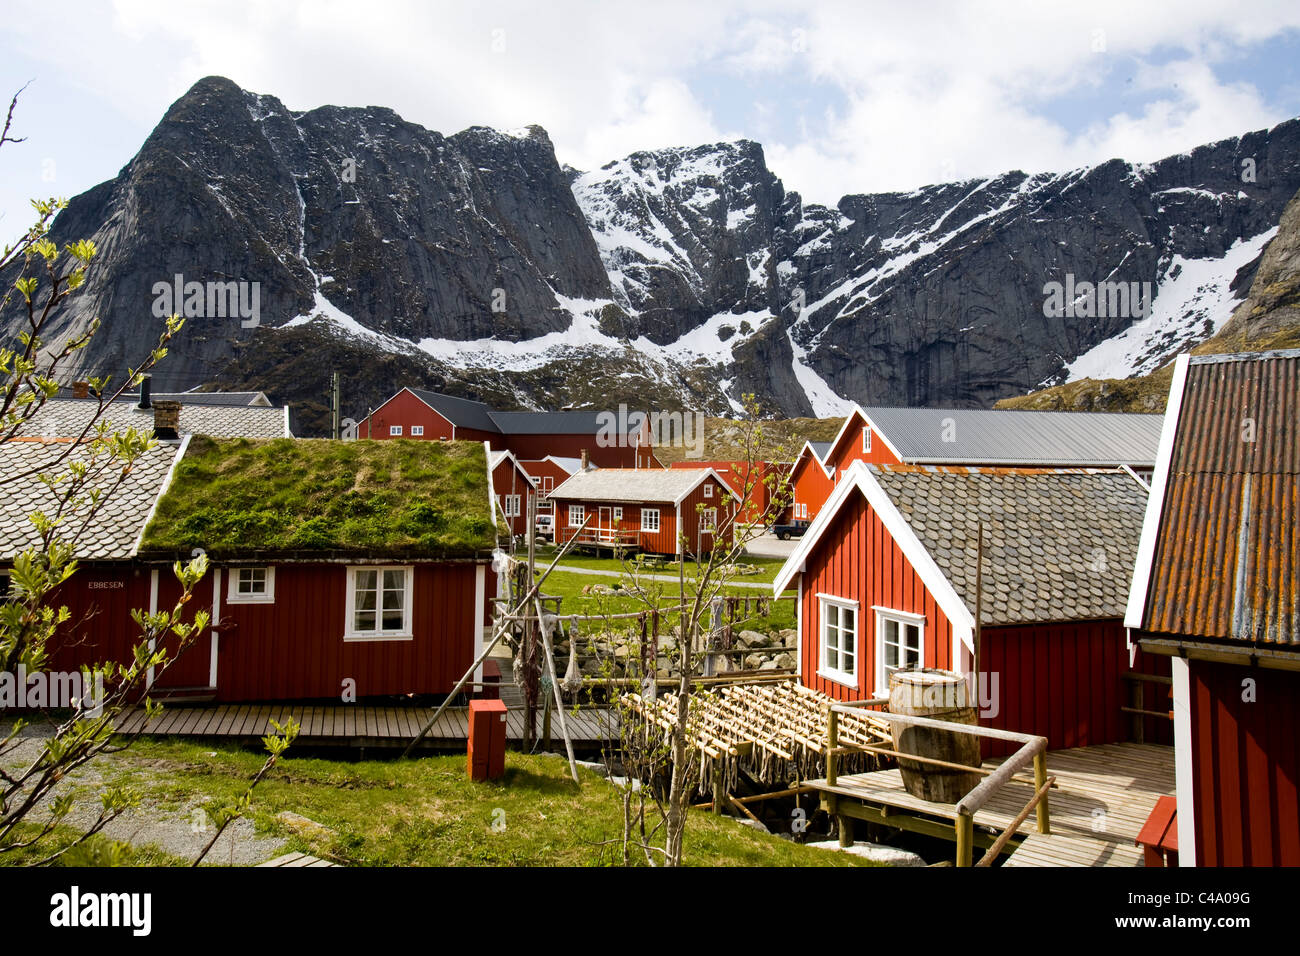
<point>866,566</point>
<point>294,648</point>
<point>508,479</point>
<point>1245,765</point>
<point>808,485</point>
<point>543,470</point>
<point>1065,682</point>
<point>405,409</point>
<point>849,448</point>
<point>761,476</point>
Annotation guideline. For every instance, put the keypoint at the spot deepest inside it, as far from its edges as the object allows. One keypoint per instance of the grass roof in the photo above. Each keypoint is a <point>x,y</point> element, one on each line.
<point>300,496</point>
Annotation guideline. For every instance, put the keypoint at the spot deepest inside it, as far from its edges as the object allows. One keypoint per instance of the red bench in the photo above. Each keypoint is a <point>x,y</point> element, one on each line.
<point>1159,835</point>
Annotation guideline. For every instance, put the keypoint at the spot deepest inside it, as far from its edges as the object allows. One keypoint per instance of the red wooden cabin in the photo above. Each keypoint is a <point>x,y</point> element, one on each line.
<point>885,578</point>
<point>1215,589</point>
<point>513,489</point>
<point>810,483</point>
<point>431,416</point>
<point>548,474</point>
<point>643,508</point>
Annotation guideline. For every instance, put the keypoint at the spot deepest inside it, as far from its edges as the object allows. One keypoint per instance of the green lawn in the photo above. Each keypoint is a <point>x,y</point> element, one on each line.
<point>426,811</point>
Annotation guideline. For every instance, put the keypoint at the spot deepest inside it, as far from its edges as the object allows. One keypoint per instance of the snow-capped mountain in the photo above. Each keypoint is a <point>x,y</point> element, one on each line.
<point>476,263</point>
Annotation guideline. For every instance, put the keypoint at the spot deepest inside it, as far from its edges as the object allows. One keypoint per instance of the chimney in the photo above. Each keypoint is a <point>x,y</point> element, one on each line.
<point>81,390</point>
<point>146,390</point>
<point>586,460</point>
<point>166,420</point>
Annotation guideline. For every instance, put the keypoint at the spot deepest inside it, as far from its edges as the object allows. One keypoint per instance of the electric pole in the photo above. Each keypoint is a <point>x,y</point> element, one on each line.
<point>334,406</point>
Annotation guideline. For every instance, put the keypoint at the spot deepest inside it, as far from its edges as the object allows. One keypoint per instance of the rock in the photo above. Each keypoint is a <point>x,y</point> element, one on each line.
<point>768,666</point>
<point>752,661</point>
<point>751,639</point>
<point>786,662</point>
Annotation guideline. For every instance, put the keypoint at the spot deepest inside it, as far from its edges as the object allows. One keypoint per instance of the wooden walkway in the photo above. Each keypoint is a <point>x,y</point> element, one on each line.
<point>353,725</point>
<point>297,859</point>
<point>1103,796</point>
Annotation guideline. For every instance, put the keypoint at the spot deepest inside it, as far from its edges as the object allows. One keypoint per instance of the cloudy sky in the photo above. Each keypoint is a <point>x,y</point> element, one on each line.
<point>845,97</point>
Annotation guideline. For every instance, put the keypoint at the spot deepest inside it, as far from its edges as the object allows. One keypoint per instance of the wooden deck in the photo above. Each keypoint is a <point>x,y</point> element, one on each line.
<point>297,859</point>
<point>1103,796</point>
<point>353,725</point>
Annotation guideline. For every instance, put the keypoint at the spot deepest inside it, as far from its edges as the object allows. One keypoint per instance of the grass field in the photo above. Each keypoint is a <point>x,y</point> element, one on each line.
<point>425,812</point>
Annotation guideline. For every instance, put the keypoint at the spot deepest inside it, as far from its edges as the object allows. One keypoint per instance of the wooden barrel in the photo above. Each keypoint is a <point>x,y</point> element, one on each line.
<point>941,695</point>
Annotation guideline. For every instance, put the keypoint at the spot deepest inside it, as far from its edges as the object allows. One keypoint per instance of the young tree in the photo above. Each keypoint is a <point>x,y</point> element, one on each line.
<point>81,476</point>
<point>664,755</point>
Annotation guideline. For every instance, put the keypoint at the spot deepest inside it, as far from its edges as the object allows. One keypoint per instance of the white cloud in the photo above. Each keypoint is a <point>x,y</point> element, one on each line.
<point>913,92</point>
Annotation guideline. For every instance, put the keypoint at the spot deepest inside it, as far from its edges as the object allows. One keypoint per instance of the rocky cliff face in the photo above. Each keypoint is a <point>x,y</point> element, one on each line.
<point>474,262</point>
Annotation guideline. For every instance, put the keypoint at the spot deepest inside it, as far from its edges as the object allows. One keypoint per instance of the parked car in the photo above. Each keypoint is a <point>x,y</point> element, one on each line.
<point>544,527</point>
<point>794,529</point>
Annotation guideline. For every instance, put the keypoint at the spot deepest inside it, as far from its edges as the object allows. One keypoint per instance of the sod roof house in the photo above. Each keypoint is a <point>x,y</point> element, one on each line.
<point>336,566</point>
<point>886,575</point>
<point>1216,588</point>
<point>199,414</point>
<point>643,508</point>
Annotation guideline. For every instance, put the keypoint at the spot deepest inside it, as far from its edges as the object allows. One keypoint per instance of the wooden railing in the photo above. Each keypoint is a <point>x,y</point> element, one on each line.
<point>1032,750</point>
<point>1138,710</point>
<point>603,537</point>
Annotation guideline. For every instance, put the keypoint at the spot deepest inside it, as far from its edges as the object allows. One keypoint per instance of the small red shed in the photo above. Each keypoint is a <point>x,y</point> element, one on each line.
<point>513,488</point>
<point>1215,591</point>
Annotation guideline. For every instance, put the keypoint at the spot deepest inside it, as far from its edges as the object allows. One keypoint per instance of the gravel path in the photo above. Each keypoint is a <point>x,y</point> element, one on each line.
<point>179,832</point>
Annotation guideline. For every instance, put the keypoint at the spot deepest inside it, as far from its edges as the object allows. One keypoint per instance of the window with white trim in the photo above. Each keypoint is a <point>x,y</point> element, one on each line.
<point>250,586</point>
<point>866,439</point>
<point>379,604</point>
<point>650,519</point>
<point>394,431</point>
<point>839,640</point>
<point>577,514</point>
<point>510,505</point>
<point>708,491</point>
<point>709,520</point>
<point>900,643</point>
<point>417,430</point>
<point>618,515</point>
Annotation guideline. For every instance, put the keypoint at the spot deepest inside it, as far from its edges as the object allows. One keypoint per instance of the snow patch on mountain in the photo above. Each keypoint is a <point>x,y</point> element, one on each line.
<point>1193,301</point>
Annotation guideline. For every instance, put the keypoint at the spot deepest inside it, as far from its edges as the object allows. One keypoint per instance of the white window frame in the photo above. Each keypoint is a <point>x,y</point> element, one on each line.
<point>394,431</point>
<point>902,618</point>
<point>406,633</point>
<point>848,678</point>
<point>235,596</point>
<point>417,430</point>
<point>645,525</point>
<point>508,502</point>
<point>708,490</point>
<point>577,515</point>
<point>618,514</point>
<point>866,439</point>
<point>709,520</point>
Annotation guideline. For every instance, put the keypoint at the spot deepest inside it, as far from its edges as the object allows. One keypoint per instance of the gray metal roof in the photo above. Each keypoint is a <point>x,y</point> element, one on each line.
<point>632,484</point>
<point>1059,545</point>
<point>821,449</point>
<point>464,413</point>
<point>112,532</point>
<point>67,417</point>
<point>971,436</point>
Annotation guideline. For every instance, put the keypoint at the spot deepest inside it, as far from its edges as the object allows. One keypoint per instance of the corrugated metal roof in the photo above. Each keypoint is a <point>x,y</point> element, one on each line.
<point>631,484</point>
<point>112,532</point>
<point>972,436</point>
<point>1227,551</point>
<point>1059,544</point>
<point>67,417</point>
<point>461,412</point>
<point>821,449</point>
<point>464,413</point>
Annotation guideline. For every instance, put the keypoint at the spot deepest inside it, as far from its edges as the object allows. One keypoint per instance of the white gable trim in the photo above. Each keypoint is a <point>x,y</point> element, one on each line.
<point>1184,768</point>
<point>167,483</point>
<point>491,489</point>
<point>812,455</point>
<point>875,433</point>
<point>1137,594</point>
<point>859,478</point>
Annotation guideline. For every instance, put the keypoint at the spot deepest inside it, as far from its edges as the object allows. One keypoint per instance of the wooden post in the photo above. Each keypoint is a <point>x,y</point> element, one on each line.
<point>1040,778</point>
<point>546,723</point>
<point>844,830</point>
<point>1136,700</point>
<point>832,743</point>
<point>965,825</point>
<point>719,798</point>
